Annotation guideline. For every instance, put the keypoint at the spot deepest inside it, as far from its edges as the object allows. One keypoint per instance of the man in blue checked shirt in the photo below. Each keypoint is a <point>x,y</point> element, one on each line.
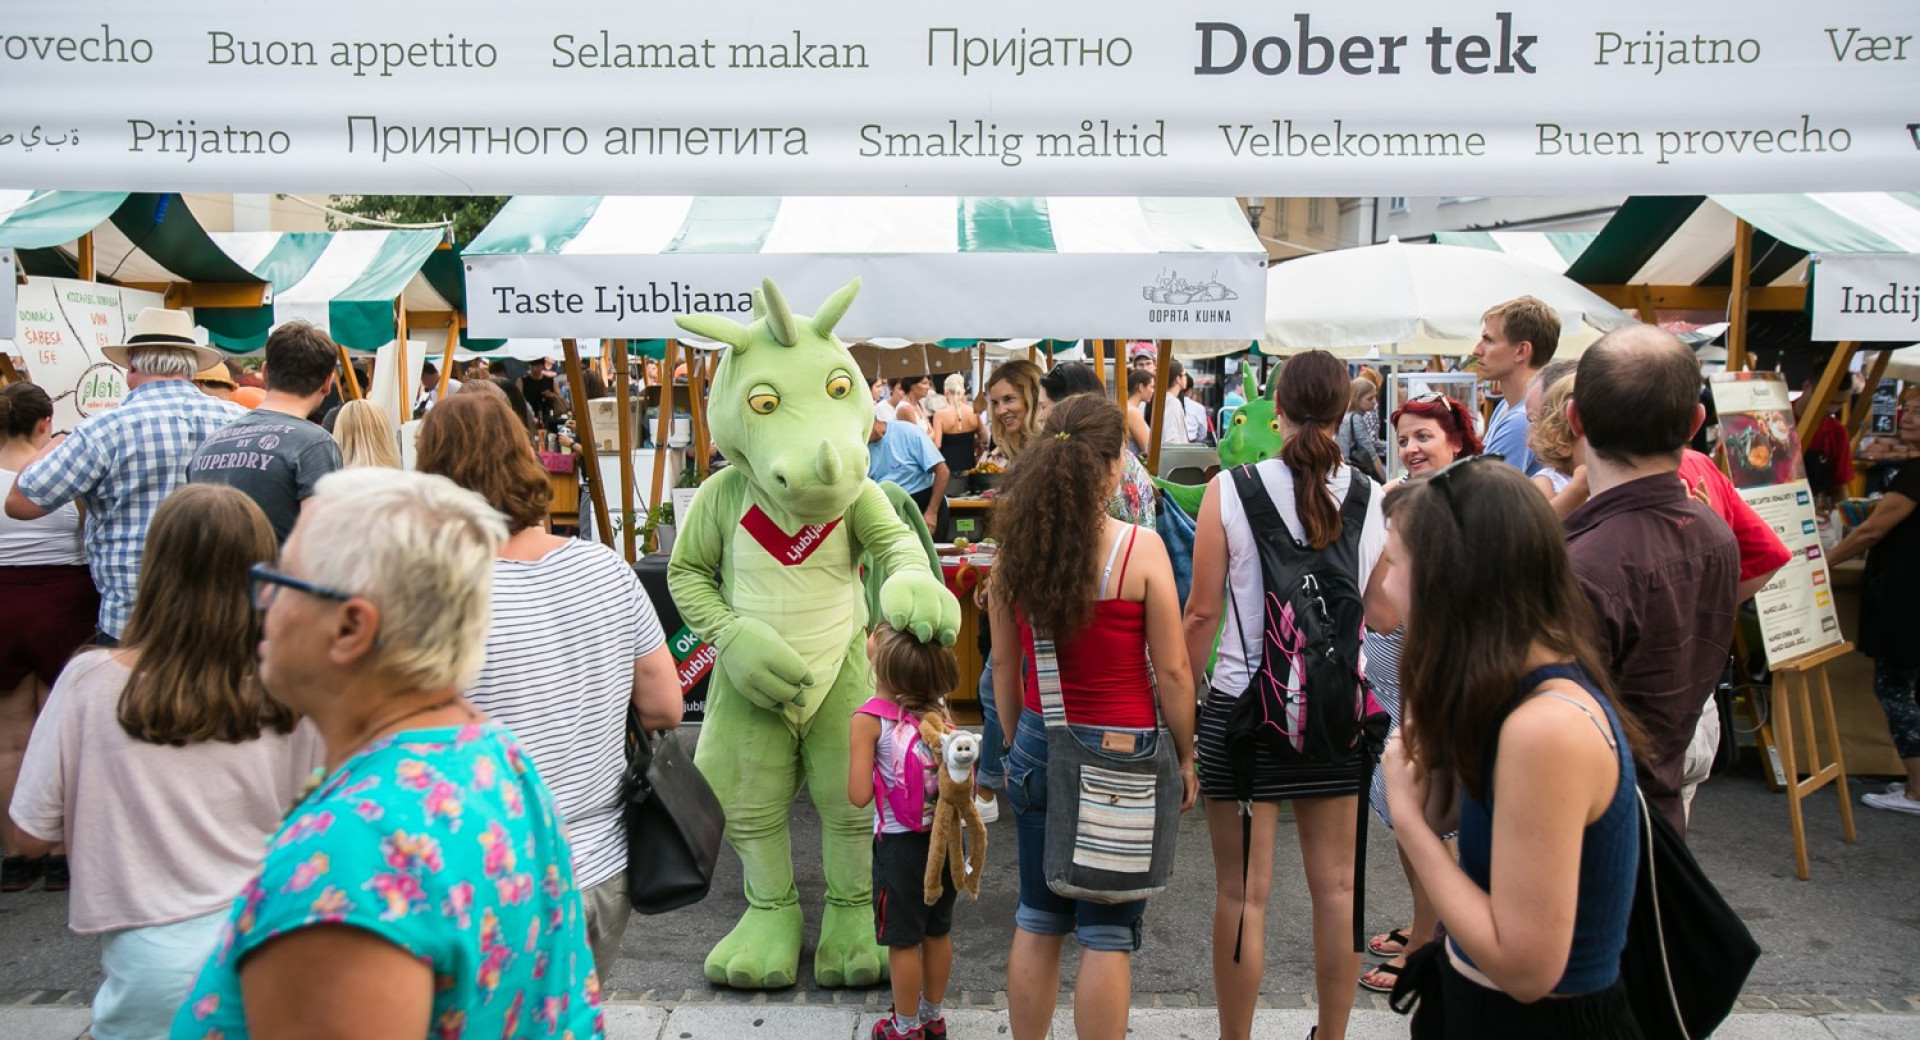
<point>123,463</point>
<point>899,453</point>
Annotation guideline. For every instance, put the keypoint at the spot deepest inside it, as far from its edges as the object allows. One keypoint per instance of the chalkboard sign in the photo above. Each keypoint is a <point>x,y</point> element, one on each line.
<point>1886,407</point>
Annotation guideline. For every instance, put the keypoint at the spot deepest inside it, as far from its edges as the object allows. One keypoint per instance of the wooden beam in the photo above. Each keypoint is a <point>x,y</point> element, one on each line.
<point>8,374</point>
<point>432,319</point>
<point>1100,361</point>
<point>1702,297</point>
<point>407,378</point>
<point>354,393</point>
<point>206,294</point>
<point>84,261</point>
<point>583,422</point>
<point>665,425</point>
<point>623,403</point>
<point>1859,416</point>
<point>1837,369</point>
<point>446,360</point>
<point>1643,303</point>
<point>1120,372</point>
<point>1737,301</point>
<point>697,402</point>
<point>1163,368</point>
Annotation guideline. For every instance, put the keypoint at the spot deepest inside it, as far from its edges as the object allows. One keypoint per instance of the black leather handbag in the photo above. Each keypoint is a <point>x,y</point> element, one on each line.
<point>1688,953</point>
<point>674,824</point>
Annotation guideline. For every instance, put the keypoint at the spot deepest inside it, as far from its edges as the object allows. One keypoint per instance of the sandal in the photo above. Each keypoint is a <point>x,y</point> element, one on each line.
<point>1379,944</point>
<point>1373,979</point>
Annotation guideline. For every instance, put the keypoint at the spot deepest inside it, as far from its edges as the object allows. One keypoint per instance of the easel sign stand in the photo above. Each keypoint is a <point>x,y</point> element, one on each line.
<point>1793,691</point>
<point>1761,452</point>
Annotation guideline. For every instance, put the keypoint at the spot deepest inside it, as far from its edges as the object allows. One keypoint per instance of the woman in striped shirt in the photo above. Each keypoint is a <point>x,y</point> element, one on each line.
<point>573,641</point>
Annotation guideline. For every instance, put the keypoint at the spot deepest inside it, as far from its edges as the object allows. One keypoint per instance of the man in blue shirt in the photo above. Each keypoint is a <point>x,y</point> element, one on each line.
<point>898,453</point>
<point>1517,339</point>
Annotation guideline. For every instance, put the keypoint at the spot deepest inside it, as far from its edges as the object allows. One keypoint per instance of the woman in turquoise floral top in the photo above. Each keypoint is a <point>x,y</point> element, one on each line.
<point>424,888</point>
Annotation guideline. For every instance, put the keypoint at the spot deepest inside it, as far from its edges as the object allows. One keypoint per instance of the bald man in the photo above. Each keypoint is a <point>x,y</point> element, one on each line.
<point>1659,567</point>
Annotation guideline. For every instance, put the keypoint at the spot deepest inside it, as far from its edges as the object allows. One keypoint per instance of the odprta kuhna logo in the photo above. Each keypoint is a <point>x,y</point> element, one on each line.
<point>1184,301</point>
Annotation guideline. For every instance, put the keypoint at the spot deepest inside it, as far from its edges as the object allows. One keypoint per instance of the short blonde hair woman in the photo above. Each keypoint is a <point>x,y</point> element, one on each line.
<point>425,885</point>
<point>366,436</point>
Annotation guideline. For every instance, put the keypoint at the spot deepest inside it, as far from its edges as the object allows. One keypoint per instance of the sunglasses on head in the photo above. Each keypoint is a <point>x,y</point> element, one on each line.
<point>1442,480</point>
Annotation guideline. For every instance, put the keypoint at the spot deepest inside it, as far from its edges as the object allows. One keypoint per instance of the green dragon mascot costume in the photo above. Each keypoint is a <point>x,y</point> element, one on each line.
<point>784,527</point>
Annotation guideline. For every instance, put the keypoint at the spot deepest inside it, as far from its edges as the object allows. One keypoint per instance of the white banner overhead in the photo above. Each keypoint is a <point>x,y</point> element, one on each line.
<point>1224,97</point>
<point>1867,297</point>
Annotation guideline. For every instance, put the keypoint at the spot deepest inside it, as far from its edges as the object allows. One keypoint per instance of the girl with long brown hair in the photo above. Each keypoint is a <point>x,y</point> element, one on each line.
<point>164,765</point>
<point>1104,590</point>
<point>1500,670</point>
<point>1307,485</point>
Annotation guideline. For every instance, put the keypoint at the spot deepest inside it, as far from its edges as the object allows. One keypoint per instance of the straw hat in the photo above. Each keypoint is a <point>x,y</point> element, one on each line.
<point>160,327</point>
<point>217,375</point>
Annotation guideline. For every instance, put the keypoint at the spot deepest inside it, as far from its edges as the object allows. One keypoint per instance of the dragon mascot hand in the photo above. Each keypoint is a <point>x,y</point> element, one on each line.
<point>784,527</point>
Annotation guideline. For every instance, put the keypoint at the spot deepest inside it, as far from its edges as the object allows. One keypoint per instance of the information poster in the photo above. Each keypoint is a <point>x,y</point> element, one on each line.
<point>1763,458</point>
<point>61,326</point>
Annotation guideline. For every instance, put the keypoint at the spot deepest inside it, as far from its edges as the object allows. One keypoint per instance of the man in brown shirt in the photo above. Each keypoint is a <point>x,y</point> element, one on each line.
<point>1659,567</point>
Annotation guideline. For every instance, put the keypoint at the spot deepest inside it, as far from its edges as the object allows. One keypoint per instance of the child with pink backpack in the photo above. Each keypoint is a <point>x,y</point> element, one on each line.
<point>893,769</point>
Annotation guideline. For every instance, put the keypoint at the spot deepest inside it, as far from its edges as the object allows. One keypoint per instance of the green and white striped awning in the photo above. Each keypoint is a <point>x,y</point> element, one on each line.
<point>1688,240</point>
<point>345,282</point>
<point>143,239</point>
<point>933,267</point>
<point>1553,250</point>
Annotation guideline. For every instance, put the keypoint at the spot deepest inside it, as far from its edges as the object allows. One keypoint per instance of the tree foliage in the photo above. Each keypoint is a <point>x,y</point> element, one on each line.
<point>469,213</point>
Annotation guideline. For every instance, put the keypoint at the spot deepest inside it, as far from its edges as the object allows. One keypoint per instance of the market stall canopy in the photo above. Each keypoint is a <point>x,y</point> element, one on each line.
<point>345,282</point>
<point>1553,250</point>
<point>932,267</point>
<point>141,240</point>
<point>1416,299</point>
<point>1681,241</point>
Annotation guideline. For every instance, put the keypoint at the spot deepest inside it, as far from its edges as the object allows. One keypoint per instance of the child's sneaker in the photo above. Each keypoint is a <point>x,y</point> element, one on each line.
<point>886,1030</point>
<point>934,1028</point>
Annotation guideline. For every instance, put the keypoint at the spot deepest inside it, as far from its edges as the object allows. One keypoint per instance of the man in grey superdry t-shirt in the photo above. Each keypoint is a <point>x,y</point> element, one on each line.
<point>273,453</point>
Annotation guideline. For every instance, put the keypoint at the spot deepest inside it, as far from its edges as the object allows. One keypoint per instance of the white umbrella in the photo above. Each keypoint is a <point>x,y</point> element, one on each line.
<point>1416,299</point>
<point>1905,364</point>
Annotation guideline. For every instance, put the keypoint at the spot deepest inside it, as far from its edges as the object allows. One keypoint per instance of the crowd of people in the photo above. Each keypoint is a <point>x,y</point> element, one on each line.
<point>214,613</point>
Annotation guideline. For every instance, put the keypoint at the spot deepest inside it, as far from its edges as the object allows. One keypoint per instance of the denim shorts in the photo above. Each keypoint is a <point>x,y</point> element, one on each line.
<point>1113,927</point>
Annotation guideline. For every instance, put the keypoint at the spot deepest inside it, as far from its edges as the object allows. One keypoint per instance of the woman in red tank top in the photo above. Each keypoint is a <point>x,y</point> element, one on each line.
<point>1104,589</point>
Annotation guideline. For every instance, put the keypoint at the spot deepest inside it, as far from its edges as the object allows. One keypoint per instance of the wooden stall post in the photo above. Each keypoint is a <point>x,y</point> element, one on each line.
<point>583,422</point>
<point>353,378</point>
<point>623,400</point>
<point>446,356</point>
<point>8,374</point>
<point>1099,360</point>
<point>697,401</point>
<point>84,262</point>
<point>1163,367</point>
<point>1737,298</point>
<point>1120,365</point>
<point>405,400</point>
<point>1837,369</point>
<point>1792,689</point>
<point>665,424</point>
<point>1858,417</point>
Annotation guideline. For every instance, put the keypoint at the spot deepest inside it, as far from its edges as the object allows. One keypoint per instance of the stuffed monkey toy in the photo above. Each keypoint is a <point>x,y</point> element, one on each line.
<point>954,808</point>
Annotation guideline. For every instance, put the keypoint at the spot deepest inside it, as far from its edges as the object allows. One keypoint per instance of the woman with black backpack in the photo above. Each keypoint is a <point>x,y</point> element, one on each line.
<point>1284,561</point>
